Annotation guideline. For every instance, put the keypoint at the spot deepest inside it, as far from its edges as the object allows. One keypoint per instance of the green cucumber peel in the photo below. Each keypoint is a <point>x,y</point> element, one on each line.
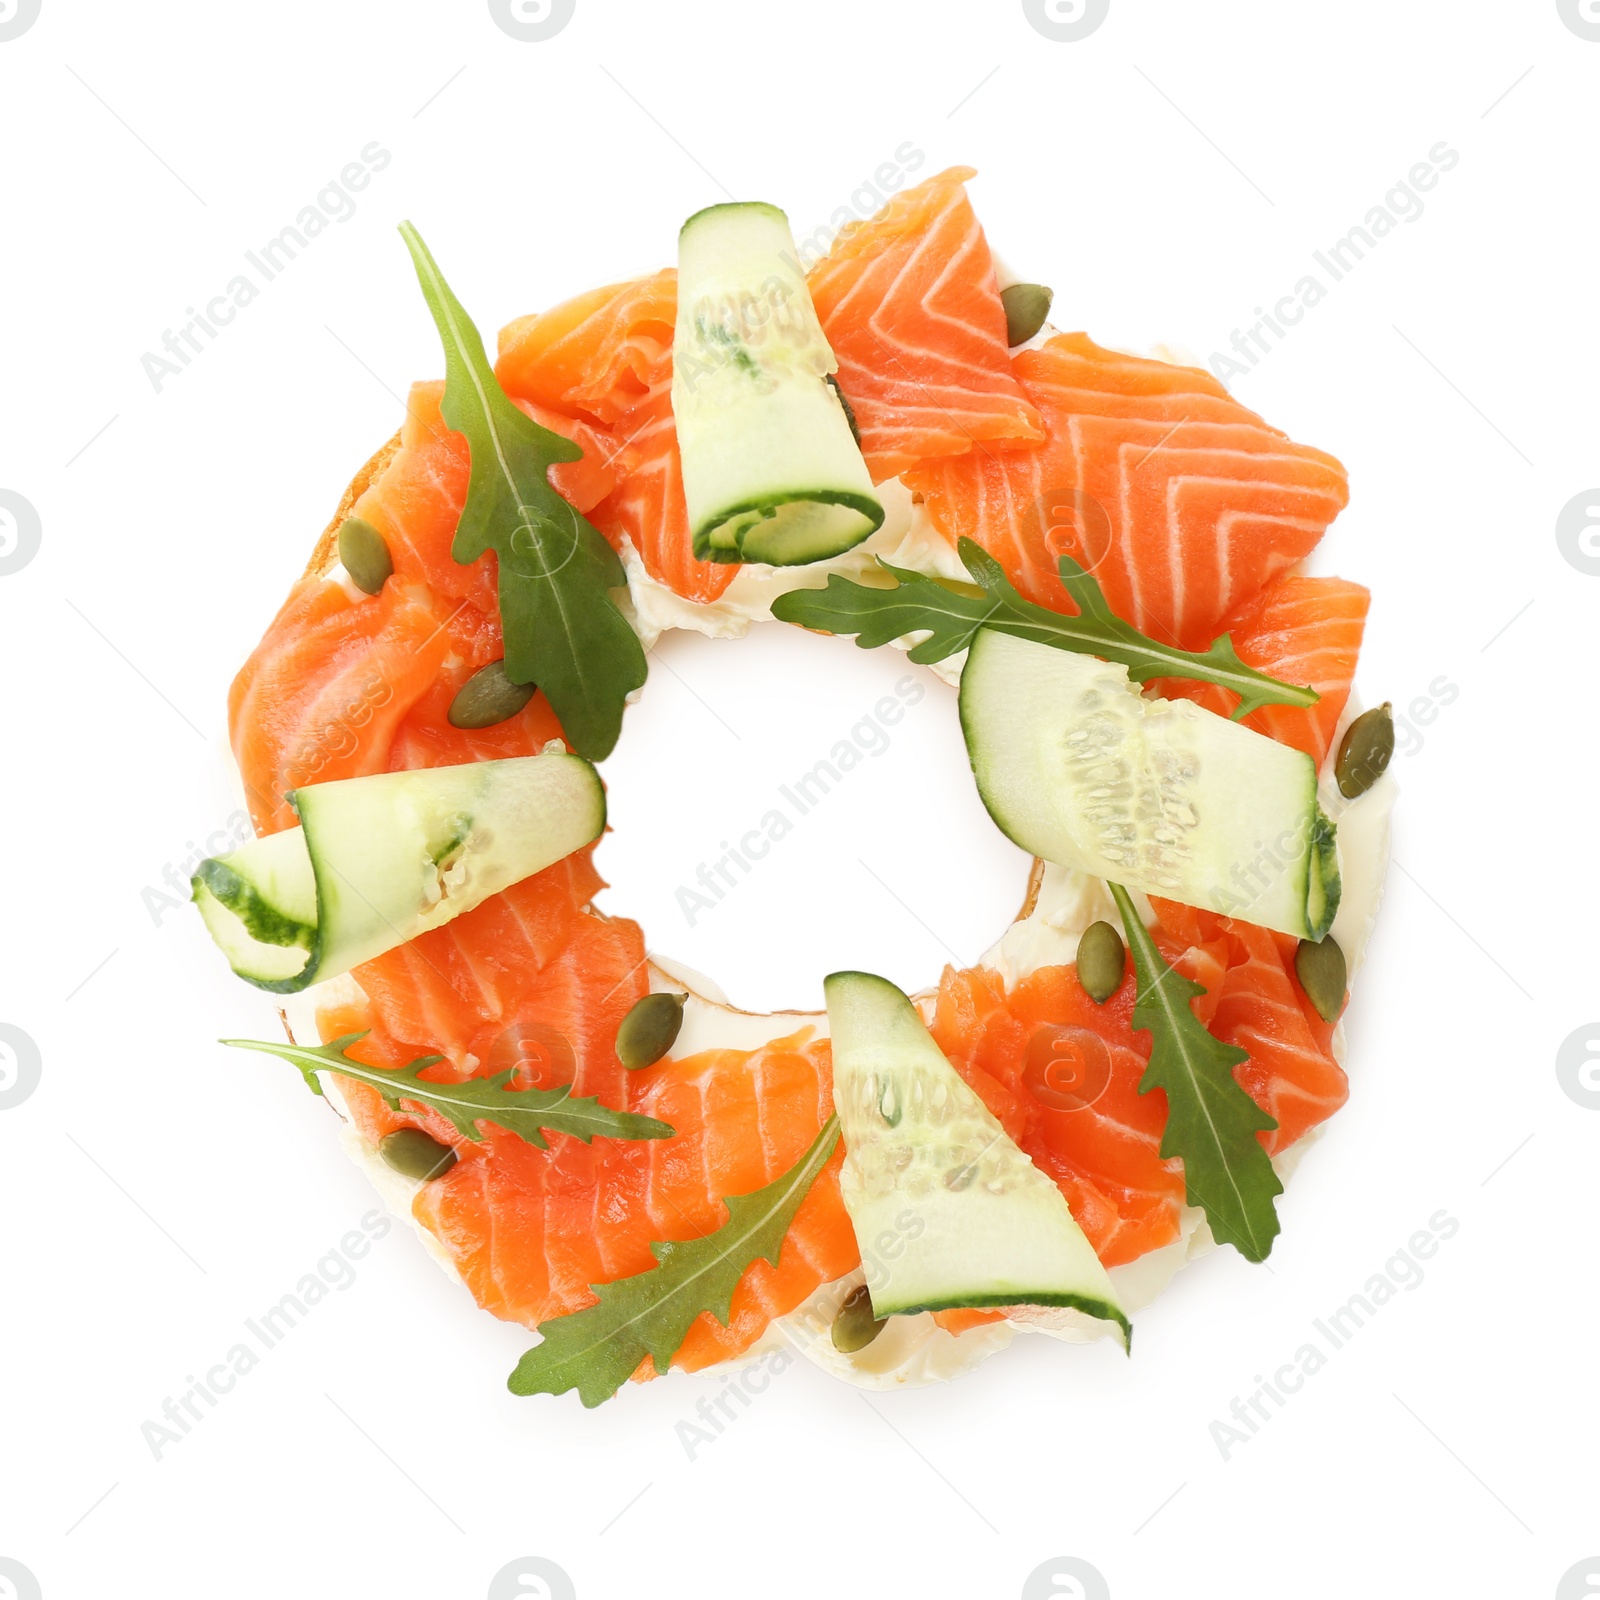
<point>563,631</point>
<point>263,920</point>
<point>527,1113</point>
<point>1211,1121</point>
<point>597,1350</point>
<point>952,614</point>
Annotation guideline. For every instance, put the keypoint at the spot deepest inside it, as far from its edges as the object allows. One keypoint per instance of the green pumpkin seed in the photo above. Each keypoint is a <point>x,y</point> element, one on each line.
<point>415,1154</point>
<point>1321,971</point>
<point>1102,959</point>
<point>648,1030</point>
<point>854,1328</point>
<point>1365,751</point>
<point>488,697</point>
<point>849,410</point>
<point>364,553</point>
<point>1027,305</point>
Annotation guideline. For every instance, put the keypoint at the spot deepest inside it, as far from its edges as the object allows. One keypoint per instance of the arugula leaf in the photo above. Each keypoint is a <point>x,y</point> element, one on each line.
<point>877,616</point>
<point>563,631</point>
<point>597,1350</point>
<point>1211,1122</point>
<point>523,1112</point>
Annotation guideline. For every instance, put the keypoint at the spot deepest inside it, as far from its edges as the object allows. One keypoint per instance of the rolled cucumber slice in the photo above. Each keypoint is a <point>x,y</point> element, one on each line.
<point>1079,768</point>
<point>947,1210</point>
<point>378,860</point>
<point>771,469</point>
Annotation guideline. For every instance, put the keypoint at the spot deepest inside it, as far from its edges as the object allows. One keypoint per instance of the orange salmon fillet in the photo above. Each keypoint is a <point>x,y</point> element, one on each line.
<point>649,508</point>
<point>323,694</point>
<point>1182,503</point>
<point>911,306</point>
<point>1103,1153</point>
<point>531,1231</point>
<point>601,354</point>
<point>1301,631</point>
<point>608,355</point>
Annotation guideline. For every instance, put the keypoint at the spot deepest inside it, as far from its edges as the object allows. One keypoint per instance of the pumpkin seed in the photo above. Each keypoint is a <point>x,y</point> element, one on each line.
<point>415,1154</point>
<point>1365,751</point>
<point>854,1328</point>
<point>648,1030</point>
<point>488,697</point>
<point>1102,959</point>
<point>364,553</point>
<point>1321,971</point>
<point>1027,305</point>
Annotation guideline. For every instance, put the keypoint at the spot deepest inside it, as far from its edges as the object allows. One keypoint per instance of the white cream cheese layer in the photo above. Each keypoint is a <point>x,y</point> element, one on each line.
<point>907,539</point>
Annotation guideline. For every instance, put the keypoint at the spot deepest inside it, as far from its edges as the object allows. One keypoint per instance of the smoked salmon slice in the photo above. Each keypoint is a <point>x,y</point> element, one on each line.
<point>323,694</point>
<point>1093,1132</point>
<point>601,354</point>
<point>415,503</point>
<point>1182,503</point>
<point>910,303</point>
<point>1103,1155</point>
<point>329,691</point>
<point>608,356</point>
<point>531,1230</point>
<point>1259,1006</point>
<point>648,506</point>
<point>1299,630</point>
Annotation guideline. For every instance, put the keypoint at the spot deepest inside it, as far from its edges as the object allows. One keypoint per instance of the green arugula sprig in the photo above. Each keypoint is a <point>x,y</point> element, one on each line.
<point>524,1112</point>
<point>563,631</point>
<point>1211,1122</point>
<point>597,1350</point>
<point>954,613</point>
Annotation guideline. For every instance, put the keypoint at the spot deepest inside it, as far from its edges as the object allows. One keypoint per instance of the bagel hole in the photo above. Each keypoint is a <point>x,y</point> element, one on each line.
<point>785,805</point>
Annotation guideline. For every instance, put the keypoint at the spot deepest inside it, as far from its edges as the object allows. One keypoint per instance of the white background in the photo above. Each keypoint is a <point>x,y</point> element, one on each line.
<point>1166,176</point>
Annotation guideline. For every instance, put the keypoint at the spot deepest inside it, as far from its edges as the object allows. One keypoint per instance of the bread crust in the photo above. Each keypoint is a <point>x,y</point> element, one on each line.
<point>326,553</point>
